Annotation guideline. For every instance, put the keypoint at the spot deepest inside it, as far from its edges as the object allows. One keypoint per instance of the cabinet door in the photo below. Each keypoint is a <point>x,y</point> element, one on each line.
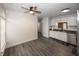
<point>72,38</point>
<point>52,34</point>
<point>59,35</point>
<point>72,21</point>
<point>56,35</point>
<point>63,36</point>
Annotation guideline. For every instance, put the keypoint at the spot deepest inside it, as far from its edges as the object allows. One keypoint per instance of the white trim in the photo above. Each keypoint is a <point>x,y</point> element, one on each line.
<point>8,46</point>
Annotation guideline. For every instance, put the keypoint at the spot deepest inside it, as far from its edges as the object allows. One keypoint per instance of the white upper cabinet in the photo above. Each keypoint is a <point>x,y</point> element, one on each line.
<point>70,19</point>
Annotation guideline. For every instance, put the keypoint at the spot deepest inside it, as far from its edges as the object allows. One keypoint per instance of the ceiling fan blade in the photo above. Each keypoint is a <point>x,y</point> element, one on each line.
<point>37,11</point>
<point>25,8</point>
<point>26,11</point>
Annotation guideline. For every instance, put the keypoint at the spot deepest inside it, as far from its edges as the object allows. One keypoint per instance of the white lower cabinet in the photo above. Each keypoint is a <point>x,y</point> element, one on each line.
<point>63,36</point>
<point>59,35</point>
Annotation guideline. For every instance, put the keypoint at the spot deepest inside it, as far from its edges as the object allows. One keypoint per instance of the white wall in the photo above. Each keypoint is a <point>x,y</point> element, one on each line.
<point>2,29</point>
<point>70,19</point>
<point>45,27</point>
<point>20,28</point>
<point>39,27</point>
<point>3,41</point>
<point>78,32</point>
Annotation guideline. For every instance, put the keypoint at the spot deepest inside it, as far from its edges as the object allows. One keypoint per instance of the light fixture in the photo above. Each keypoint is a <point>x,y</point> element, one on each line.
<point>31,12</point>
<point>56,24</point>
<point>65,10</point>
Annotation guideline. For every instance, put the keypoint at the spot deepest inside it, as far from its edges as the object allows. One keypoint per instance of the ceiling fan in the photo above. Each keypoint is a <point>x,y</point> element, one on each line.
<point>32,10</point>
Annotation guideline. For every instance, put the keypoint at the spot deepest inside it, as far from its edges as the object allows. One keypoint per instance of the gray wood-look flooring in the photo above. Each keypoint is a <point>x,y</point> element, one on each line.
<point>40,47</point>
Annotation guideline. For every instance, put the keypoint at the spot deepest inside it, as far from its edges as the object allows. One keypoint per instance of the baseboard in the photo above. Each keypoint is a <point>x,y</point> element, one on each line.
<point>15,44</point>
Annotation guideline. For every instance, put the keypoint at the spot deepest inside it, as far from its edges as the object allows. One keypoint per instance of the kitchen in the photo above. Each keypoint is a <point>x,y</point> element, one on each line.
<point>64,29</point>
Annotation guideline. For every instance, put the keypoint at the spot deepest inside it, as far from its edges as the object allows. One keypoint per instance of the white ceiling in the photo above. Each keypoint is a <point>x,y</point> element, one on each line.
<point>48,9</point>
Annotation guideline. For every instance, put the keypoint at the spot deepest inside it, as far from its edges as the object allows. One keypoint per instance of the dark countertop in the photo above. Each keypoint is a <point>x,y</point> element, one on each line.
<point>61,30</point>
